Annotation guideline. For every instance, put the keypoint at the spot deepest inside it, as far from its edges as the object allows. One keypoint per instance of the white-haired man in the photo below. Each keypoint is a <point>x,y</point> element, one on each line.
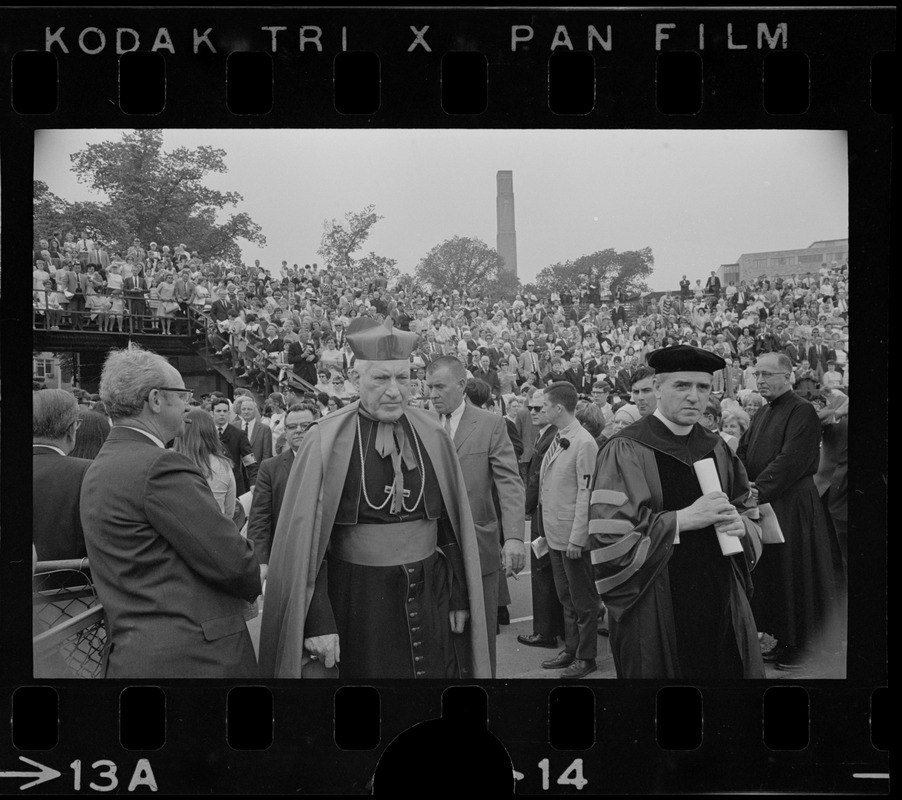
<point>170,568</point>
<point>375,566</point>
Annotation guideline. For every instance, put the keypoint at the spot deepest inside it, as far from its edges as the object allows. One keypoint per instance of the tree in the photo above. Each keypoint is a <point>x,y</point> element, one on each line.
<point>341,240</point>
<point>152,195</point>
<point>606,269</point>
<point>468,265</point>
<point>505,286</point>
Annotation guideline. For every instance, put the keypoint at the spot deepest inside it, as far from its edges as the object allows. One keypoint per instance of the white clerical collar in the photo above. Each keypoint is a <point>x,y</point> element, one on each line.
<point>50,447</point>
<point>678,430</point>
<point>158,442</point>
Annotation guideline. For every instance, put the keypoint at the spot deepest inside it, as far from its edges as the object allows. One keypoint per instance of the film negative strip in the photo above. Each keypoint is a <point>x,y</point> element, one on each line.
<point>295,102</point>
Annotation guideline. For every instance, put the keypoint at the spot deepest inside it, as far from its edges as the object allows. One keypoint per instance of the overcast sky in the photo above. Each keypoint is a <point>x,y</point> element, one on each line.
<point>699,199</point>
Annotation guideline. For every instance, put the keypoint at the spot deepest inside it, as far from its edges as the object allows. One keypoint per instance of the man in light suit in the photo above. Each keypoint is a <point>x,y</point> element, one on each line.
<point>269,491</point>
<point>56,485</point>
<point>564,490</point>
<point>258,434</point>
<point>528,362</point>
<point>490,471</point>
<point>171,570</point>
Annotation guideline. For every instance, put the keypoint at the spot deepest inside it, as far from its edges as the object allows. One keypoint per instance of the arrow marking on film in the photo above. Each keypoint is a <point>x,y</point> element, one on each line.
<point>45,774</point>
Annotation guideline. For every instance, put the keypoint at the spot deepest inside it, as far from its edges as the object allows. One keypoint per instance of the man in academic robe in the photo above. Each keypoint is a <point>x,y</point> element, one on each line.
<point>796,598</point>
<point>678,608</point>
<point>375,566</point>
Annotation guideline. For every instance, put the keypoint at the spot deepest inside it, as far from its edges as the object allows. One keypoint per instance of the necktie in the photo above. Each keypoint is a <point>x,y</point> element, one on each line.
<point>448,423</point>
<point>247,429</point>
<point>552,451</point>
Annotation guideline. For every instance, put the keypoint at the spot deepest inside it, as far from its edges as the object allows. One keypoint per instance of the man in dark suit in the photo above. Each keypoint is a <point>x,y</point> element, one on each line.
<point>171,570</point>
<point>547,612</point>
<point>302,357</point>
<point>484,372</point>
<point>712,285</point>
<point>56,485</point>
<point>273,342</point>
<point>135,288</point>
<point>244,464</point>
<point>258,434</point>
<point>269,490</point>
<point>490,470</point>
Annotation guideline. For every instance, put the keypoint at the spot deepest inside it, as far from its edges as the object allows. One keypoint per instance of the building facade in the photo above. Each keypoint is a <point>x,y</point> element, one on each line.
<point>749,266</point>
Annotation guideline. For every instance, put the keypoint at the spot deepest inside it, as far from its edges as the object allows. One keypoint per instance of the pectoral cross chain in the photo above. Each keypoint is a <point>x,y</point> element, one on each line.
<point>390,489</point>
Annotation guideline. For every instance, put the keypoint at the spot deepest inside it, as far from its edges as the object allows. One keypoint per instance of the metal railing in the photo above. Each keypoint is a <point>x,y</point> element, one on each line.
<point>69,628</point>
<point>242,350</point>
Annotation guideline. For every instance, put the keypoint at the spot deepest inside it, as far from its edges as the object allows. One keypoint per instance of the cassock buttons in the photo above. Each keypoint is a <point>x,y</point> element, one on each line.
<point>416,644</point>
<point>420,672</point>
<point>411,571</point>
<point>413,613</point>
<point>418,658</point>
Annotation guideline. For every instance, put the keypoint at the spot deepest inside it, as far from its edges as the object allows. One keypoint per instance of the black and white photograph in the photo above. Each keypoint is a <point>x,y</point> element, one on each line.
<point>375,404</point>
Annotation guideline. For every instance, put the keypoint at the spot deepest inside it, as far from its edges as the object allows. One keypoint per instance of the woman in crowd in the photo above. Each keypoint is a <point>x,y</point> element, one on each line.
<point>735,421</point>
<point>330,356</point>
<point>167,305</point>
<point>752,403</point>
<point>201,444</point>
<point>625,415</point>
<point>92,431</point>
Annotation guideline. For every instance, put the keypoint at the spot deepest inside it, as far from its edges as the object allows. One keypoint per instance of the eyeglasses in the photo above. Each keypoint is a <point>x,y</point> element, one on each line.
<point>536,408</point>
<point>185,394</point>
<point>298,425</point>
<point>767,375</point>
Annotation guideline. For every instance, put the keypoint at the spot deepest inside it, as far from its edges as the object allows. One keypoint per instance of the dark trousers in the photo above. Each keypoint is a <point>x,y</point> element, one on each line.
<point>490,597</point>
<point>76,306</point>
<point>576,591</point>
<point>547,614</point>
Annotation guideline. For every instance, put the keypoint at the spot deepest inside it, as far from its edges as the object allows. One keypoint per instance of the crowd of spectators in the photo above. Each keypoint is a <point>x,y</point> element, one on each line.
<point>291,321</point>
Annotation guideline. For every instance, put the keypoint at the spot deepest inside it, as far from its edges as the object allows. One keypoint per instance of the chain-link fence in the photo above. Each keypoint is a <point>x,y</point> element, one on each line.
<point>69,626</point>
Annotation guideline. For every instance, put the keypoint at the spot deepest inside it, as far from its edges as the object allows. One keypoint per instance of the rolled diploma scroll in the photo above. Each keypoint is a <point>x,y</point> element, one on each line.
<point>706,472</point>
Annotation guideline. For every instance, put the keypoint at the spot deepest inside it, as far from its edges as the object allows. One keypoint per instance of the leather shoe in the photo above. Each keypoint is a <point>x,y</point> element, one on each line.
<point>537,640</point>
<point>561,660</point>
<point>579,668</point>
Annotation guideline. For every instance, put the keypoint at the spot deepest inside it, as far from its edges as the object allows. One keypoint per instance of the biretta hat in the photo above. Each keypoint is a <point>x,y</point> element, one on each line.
<point>685,358</point>
<point>372,341</point>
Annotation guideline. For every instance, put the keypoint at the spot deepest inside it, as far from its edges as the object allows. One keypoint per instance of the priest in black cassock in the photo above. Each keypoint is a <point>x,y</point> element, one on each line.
<point>375,568</point>
<point>796,596</point>
<point>678,607</point>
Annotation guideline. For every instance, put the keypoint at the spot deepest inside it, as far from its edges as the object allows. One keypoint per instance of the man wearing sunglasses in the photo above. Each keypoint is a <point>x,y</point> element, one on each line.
<point>171,570</point>
<point>269,491</point>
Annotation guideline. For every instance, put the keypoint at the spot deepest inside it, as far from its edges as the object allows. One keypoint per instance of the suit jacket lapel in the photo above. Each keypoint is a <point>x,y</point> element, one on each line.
<point>466,426</point>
